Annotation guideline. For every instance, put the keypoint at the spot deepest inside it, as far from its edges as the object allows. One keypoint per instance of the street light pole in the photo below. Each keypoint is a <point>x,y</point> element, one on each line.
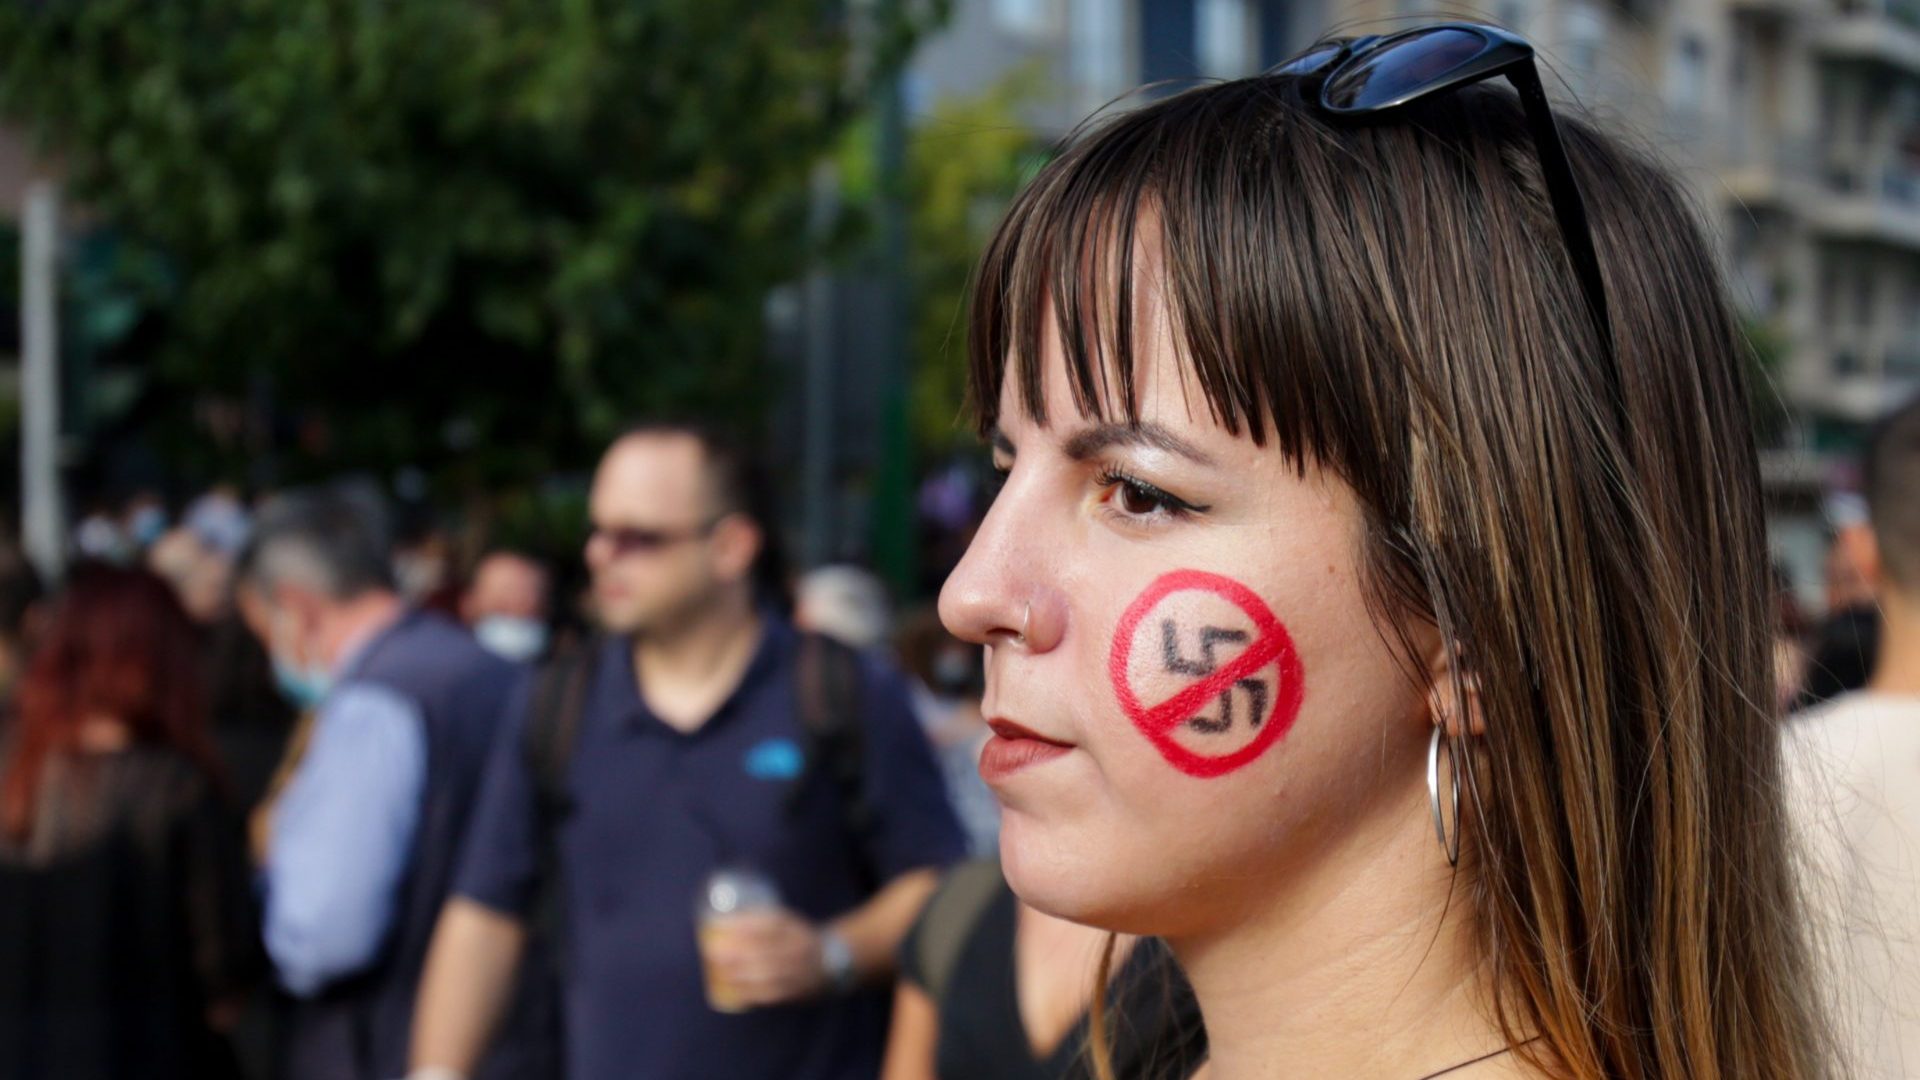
<point>820,493</point>
<point>893,518</point>
<point>43,518</point>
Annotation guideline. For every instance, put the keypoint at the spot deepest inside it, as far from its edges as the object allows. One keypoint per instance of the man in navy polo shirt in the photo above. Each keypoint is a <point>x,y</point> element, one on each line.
<point>690,756</point>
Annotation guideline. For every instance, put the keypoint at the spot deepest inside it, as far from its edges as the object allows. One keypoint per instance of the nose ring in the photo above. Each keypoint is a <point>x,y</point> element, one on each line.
<point>1026,620</point>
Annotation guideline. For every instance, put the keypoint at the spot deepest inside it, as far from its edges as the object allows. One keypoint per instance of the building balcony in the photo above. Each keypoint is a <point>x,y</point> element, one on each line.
<point>1866,398</point>
<point>1874,31</point>
<point>1882,207</point>
<point>1841,202</point>
<point>1856,379</point>
<point>1772,9</point>
<point>1764,171</point>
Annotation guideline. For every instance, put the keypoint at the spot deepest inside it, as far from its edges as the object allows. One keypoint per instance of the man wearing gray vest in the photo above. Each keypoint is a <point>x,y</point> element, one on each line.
<point>361,841</point>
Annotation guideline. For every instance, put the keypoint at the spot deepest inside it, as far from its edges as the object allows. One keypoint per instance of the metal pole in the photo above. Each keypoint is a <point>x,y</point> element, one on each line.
<point>817,435</point>
<point>893,547</point>
<point>43,518</point>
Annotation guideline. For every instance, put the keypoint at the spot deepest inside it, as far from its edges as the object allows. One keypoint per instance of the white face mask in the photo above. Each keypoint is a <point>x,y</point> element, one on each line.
<point>304,684</point>
<point>511,636</point>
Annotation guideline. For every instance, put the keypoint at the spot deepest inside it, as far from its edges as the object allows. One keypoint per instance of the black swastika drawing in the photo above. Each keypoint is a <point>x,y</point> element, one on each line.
<point>1211,637</point>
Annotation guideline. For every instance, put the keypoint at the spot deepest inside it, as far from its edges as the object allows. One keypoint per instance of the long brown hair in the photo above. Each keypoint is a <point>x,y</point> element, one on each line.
<point>118,646</point>
<point>1582,525</point>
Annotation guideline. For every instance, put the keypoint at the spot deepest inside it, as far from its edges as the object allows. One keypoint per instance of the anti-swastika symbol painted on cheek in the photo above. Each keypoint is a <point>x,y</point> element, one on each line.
<point>1217,666</point>
<point>1211,636</point>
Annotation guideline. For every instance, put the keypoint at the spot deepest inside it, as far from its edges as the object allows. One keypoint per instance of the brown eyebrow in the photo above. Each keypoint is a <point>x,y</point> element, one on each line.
<point>999,442</point>
<point>1089,442</point>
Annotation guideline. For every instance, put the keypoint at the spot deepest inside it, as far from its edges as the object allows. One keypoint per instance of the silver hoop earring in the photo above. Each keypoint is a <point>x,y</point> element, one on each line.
<point>1450,846</point>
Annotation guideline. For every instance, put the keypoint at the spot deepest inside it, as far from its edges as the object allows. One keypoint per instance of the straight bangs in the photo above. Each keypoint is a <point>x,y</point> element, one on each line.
<point>1174,204</point>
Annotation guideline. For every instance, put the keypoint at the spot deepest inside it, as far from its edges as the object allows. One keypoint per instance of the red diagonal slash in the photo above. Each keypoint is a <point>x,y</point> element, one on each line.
<point>1272,646</point>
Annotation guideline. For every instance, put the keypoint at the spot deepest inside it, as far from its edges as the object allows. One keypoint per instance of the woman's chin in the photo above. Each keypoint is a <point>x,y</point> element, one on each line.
<point>1079,881</point>
<point>1040,869</point>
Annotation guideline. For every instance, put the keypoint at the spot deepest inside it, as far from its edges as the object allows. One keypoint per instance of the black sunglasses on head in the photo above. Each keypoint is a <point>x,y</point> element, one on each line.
<point>1370,77</point>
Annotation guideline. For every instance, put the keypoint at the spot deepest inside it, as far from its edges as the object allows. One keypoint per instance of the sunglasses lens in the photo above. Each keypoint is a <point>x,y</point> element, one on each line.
<point>632,541</point>
<point>1401,67</point>
<point>1311,61</point>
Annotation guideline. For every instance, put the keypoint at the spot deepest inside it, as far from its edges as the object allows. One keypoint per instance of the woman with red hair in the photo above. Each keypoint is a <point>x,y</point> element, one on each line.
<point>127,935</point>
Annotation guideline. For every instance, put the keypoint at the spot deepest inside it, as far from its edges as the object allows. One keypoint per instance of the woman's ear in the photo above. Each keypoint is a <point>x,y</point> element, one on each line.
<point>1453,692</point>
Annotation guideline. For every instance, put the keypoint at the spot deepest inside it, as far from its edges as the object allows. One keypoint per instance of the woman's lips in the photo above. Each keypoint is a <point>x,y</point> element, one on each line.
<point>1013,748</point>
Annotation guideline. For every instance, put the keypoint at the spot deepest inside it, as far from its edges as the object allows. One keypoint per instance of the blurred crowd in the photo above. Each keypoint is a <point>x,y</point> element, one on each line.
<point>283,794</point>
<point>246,741</point>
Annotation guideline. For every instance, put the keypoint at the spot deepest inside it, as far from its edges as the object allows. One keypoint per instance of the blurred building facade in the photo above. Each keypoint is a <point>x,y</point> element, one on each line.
<point>1795,122</point>
<point>1821,147</point>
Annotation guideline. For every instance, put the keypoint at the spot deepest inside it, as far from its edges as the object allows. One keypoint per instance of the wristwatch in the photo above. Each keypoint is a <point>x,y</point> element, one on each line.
<point>836,961</point>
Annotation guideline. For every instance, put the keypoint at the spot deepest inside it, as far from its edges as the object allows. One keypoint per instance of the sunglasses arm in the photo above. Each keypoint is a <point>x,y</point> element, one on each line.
<point>1568,205</point>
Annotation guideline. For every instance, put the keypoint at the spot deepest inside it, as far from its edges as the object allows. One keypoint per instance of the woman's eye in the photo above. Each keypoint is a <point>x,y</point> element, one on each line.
<point>1136,498</point>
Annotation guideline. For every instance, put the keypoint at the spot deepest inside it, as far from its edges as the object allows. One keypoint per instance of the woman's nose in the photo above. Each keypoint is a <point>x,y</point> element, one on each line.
<point>1000,594</point>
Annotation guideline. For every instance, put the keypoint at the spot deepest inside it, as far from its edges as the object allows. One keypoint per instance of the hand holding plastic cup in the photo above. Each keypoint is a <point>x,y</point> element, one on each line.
<point>729,893</point>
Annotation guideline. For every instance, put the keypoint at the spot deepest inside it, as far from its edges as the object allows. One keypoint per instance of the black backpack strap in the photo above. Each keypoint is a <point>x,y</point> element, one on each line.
<point>559,698</point>
<point>949,919</point>
<point>828,689</point>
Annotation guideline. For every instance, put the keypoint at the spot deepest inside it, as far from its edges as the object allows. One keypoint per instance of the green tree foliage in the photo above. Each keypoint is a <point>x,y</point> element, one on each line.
<point>472,234</point>
<point>964,164</point>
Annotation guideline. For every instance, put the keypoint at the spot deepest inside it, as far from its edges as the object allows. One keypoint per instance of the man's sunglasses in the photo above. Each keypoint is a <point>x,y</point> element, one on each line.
<point>1370,77</point>
<point>626,540</point>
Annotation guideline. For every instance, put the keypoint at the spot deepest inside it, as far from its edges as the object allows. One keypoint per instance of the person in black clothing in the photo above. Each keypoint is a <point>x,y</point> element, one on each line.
<point>127,932</point>
<point>991,989</point>
<point>1842,655</point>
<point>251,720</point>
<point>1844,645</point>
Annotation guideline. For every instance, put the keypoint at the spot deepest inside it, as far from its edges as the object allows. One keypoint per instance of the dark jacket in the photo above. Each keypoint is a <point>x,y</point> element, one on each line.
<point>360,1027</point>
<point>125,916</point>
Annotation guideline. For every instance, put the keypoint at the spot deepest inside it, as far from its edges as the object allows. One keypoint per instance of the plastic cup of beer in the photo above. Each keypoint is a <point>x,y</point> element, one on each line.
<point>729,894</point>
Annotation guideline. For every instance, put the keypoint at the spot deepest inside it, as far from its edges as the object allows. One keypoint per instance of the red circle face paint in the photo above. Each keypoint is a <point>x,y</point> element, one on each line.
<point>1221,670</point>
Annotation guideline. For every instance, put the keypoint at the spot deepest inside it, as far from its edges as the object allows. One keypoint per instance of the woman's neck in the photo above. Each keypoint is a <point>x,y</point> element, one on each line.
<point>1897,671</point>
<point>1366,968</point>
<point>1055,966</point>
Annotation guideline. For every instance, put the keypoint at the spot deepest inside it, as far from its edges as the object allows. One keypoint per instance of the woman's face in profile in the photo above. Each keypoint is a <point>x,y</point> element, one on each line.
<point>1176,616</point>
